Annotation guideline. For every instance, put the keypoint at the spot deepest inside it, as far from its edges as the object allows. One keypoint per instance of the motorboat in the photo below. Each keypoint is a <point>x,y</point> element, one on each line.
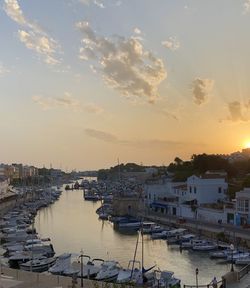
<point>165,279</point>
<point>108,272</point>
<point>131,274</point>
<point>243,261</point>
<point>206,246</point>
<point>63,263</point>
<point>237,256</point>
<point>38,265</point>
<point>160,235</point>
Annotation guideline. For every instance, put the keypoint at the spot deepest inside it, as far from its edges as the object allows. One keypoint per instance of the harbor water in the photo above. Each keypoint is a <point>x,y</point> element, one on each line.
<point>72,224</point>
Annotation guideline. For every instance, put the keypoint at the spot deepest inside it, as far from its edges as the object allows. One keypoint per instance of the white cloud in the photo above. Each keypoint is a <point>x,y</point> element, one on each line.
<point>137,30</point>
<point>124,63</point>
<point>246,7</point>
<point>41,44</point>
<point>171,43</point>
<point>201,90</point>
<point>98,3</point>
<point>35,38</point>
<point>3,70</point>
<point>67,101</point>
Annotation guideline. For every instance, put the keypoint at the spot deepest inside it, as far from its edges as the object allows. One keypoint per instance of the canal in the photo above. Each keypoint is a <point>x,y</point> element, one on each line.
<point>72,225</point>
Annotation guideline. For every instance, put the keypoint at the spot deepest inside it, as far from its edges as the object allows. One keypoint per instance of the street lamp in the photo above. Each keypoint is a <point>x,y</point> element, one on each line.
<point>158,277</point>
<point>196,276</point>
<point>232,262</point>
<point>81,256</point>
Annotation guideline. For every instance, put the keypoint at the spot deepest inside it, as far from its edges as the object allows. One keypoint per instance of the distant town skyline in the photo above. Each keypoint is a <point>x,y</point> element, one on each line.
<point>85,82</point>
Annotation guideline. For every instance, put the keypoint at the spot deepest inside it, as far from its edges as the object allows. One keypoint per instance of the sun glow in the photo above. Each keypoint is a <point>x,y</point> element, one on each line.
<point>247,144</point>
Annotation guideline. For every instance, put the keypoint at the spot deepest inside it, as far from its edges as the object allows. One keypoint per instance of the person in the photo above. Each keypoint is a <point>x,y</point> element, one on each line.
<point>214,282</point>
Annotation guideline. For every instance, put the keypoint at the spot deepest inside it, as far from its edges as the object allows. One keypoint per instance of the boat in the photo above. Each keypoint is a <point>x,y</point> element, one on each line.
<point>38,265</point>
<point>237,256</point>
<point>206,246</point>
<point>103,216</point>
<point>108,272</point>
<point>90,269</point>
<point>63,263</point>
<point>131,274</point>
<point>165,279</point>
<point>189,244</point>
<point>160,235</point>
<point>243,261</point>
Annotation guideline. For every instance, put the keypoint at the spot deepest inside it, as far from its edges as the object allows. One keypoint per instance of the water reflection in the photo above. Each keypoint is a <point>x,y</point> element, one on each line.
<point>72,225</point>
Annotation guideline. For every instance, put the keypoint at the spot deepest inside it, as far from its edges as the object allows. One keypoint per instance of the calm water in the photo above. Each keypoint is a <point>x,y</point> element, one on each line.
<point>72,225</point>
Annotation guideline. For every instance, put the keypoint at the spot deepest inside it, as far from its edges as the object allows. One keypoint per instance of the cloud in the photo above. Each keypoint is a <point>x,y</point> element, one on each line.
<point>236,112</point>
<point>41,44</point>
<point>101,135</point>
<point>123,63</point>
<point>67,102</point>
<point>146,144</point>
<point>100,3</point>
<point>246,7</point>
<point>3,70</point>
<point>33,36</point>
<point>201,90</point>
<point>137,30</point>
<point>171,43</point>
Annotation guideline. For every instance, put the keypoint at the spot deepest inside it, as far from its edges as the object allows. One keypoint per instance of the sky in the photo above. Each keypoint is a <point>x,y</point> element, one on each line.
<point>85,82</point>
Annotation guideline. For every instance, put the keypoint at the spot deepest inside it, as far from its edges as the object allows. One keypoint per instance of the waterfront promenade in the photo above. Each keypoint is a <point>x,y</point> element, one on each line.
<point>207,228</point>
<point>22,279</point>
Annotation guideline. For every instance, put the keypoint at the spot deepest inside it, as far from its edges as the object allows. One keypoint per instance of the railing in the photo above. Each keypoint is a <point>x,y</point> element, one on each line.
<point>219,284</point>
<point>245,270</point>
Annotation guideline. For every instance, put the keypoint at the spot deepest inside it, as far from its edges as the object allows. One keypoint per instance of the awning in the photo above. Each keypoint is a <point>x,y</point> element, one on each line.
<point>158,205</point>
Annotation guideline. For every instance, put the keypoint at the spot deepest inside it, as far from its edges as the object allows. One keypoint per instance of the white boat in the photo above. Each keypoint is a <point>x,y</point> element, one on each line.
<point>38,265</point>
<point>167,279</point>
<point>131,274</point>
<point>160,235</point>
<point>237,256</point>
<point>243,261</point>
<point>206,246</point>
<point>108,272</point>
<point>63,263</point>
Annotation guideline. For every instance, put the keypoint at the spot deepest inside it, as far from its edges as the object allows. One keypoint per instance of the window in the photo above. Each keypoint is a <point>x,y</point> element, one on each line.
<point>190,189</point>
<point>195,190</point>
<point>219,190</point>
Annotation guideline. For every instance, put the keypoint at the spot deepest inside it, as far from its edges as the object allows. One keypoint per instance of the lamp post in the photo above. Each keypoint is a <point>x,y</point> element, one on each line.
<point>196,276</point>
<point>232,262</point>
<point>81,261</point>
<point>158,277</point>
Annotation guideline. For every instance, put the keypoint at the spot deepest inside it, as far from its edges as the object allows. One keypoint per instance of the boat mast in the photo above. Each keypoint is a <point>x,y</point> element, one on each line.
<point>136,246</point>
<point>142,253</point>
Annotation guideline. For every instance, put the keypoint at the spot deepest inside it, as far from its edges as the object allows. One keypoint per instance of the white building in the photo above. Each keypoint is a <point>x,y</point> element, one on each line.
<point>208,188</point>
<point>243,207</point>
<point>4,184</point>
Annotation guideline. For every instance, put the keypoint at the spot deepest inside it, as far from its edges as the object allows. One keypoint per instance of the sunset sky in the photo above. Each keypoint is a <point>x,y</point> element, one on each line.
<point>83,82</point>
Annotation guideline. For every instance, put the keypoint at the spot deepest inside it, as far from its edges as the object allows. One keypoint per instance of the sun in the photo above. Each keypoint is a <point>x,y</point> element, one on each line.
<point>247,144</point>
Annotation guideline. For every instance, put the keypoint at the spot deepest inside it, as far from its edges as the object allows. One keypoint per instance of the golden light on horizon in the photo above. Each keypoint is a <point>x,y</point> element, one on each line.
<point>247,144</point>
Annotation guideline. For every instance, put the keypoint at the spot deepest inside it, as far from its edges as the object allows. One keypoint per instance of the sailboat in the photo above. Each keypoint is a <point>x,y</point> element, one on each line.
<point>135,275</point>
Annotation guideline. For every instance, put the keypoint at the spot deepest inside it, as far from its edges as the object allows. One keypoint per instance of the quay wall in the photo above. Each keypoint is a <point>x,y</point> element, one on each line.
<point>45,280</point>
<point>11,201</point>
<point>233,234</point>
<point>7,203</point>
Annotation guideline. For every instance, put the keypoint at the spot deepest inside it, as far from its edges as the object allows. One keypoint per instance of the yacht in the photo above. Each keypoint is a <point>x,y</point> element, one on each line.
<point>38,265</point>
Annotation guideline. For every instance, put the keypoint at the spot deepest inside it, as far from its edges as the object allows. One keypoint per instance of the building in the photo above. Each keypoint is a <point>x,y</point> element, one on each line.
<point>208,188</point>
<point>242,215</point>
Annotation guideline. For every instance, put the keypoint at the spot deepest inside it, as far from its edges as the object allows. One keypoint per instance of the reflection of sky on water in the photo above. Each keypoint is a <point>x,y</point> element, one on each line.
<point>72,225</point>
